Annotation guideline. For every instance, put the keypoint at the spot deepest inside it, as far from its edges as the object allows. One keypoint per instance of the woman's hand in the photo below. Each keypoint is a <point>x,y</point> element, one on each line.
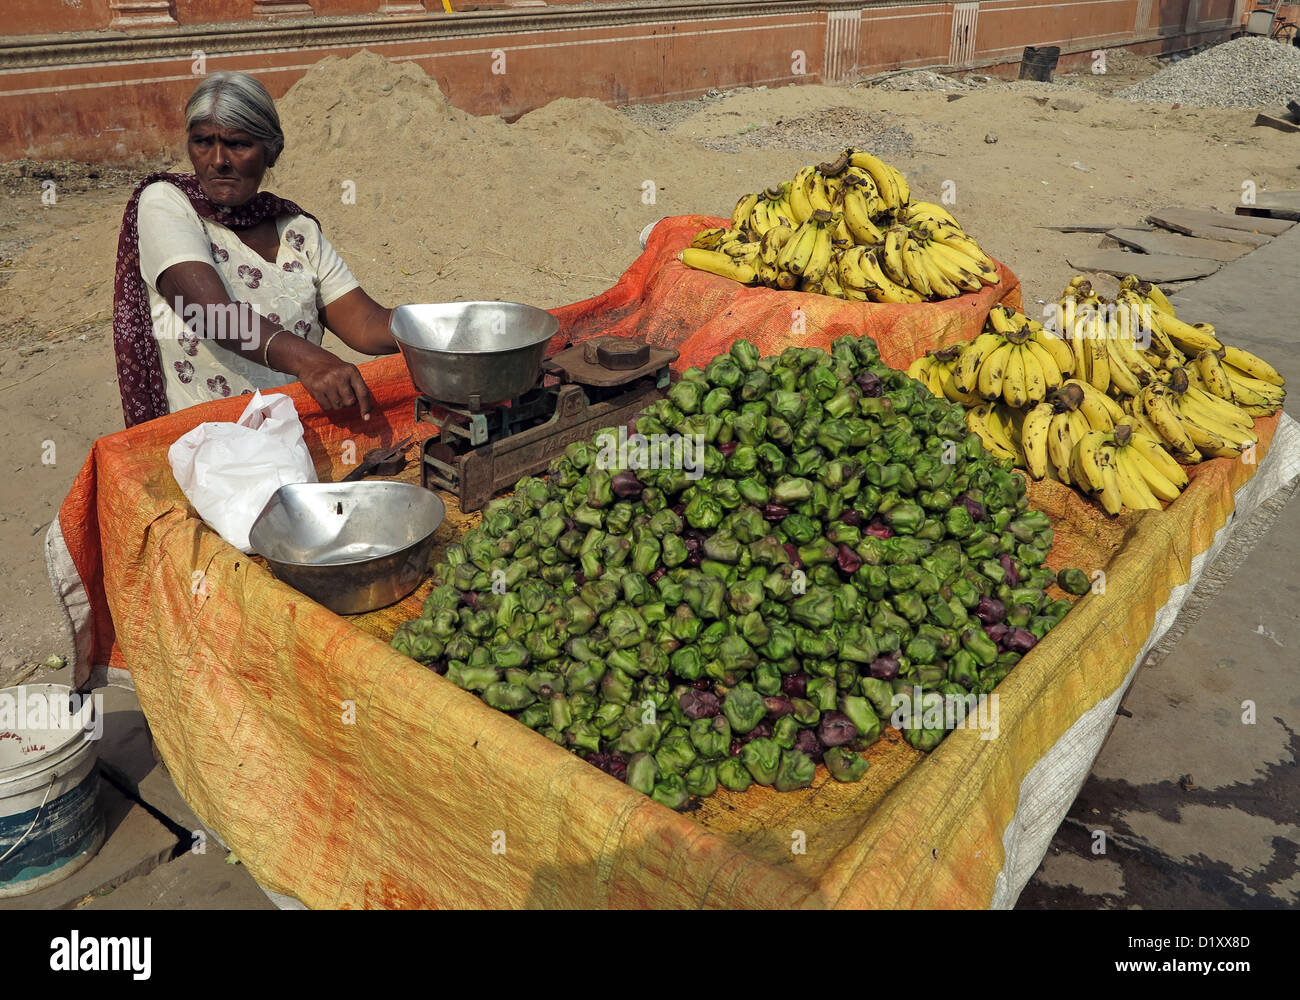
<point>333,383</point>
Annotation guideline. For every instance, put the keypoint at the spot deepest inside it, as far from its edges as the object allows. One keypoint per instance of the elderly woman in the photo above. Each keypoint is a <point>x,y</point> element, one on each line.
<point>221,290</point>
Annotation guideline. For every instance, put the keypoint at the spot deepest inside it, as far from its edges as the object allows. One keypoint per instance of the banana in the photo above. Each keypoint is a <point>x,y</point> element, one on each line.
<point>929,210</point>
<point>972,358</point>
<point>1080,331</point>
<point>1093,459</point>
<point>798,196</point>
<point>1095,406</point>
<point>977,421</point>
<point>820,261</point>
<point>831,282</point>
<point>1033,438</point>
<point>957,260</point>
<point>797,250</point>
<point>1159,459</point>
<point>1140,422</point>
<point>719,264</point>
<point>901,185</point>
<point>883,177</point>
<point>1003,431</point>
<point>883,289</point>
<point>892,257</point>
<point>993,371</point>
<point>1208,442</point>
<point>1234,428</point>
<point>1157,298</point>
<point>1060,442</point>
<point>1099,360</point>
<point>999,318</point>
<point>1213,377</point>
<point>1187,338</point>
<point>920,368</point>
<point>1079,425</point>
<point>1131,358</point>
<point>1133,490</point>
<point>769,247</point>
<point>944,263</point>
<point>1253,366</point>
<point>914,268</point>
<point>1120,376</point>
<point>709,239</point>
<point>740,214</point>
<point>740,251</point>
<point>940,286</point>
<point>1014,389</point>
<point>818,194</point>
<point>955,239</point>
<point>1225,410</point>
<point>1160,485</point>
<point>857,216</point>
<point>1041,373</point>
<point>1156,405</point>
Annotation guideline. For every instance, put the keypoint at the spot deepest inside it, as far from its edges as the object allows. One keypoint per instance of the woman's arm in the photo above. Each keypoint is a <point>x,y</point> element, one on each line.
<point>360,322</point>
<point>333,383</point>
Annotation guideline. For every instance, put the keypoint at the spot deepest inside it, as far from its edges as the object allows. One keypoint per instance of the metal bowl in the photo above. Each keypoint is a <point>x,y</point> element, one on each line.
<point>455,350</point>
<point>353,547</point>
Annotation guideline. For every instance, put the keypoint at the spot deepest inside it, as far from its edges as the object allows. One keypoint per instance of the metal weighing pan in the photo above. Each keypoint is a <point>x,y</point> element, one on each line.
<point>353,547</point>
<point>455,350</point>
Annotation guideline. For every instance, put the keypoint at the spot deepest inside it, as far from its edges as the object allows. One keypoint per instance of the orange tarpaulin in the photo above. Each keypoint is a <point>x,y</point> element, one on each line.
<point>345,774</point>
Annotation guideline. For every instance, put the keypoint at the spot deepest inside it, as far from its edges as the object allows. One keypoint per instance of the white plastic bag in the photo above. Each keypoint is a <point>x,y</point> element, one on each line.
<point>229,471</point>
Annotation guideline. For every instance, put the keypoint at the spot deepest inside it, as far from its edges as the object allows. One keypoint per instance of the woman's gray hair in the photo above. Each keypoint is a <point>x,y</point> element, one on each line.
<point>240,102</point>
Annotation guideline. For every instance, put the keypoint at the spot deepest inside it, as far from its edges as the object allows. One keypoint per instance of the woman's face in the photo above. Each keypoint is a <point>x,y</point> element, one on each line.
<point>229,164</point>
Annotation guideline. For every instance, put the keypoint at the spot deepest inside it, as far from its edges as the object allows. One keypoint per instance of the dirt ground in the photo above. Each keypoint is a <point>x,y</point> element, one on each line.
<point>547,211</point>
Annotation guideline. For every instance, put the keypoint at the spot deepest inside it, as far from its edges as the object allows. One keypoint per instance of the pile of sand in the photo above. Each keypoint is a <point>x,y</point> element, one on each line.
<point>431,183</point>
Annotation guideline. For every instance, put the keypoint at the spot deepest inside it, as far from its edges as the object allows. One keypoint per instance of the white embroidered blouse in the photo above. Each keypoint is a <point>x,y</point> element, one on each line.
<point>306,277</point>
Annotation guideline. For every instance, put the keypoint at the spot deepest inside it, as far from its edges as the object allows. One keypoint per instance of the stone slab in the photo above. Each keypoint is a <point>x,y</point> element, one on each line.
<point>1085,227</point>
<point>1178,245</point>
<point>1219,220</point>
<point>1281,124</point>
<point>1175,221</point>
<point>191,882</point>
<point>1276,204</point>
<point>1147,266</point>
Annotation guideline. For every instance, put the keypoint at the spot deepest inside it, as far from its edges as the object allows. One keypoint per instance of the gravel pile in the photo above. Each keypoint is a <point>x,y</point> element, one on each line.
<point>921,79</point>
<point>825,129</point>
<point>1243,73</point>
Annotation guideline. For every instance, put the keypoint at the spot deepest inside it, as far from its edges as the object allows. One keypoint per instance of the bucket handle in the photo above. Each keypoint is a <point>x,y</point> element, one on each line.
<point>54,776</point>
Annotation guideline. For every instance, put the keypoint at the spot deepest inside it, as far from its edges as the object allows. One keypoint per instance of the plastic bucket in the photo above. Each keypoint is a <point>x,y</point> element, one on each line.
<point>1038,63</point>
<point>50,820</point>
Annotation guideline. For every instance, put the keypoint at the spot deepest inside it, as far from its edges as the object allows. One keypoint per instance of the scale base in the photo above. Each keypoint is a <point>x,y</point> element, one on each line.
<point>475,474</point>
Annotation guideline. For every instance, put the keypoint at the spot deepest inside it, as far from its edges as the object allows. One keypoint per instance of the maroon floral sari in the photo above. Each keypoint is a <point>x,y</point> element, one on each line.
<point>139,364</point>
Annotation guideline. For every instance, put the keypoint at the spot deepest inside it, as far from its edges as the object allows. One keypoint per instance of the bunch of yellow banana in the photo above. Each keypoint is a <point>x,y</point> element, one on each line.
<point>1124,468</point>
<point>935,369</point>
<point>1232,374</point>
<point>1012,361</point>
<point>1192,423</point>
<point>997,427</point>
<point>1050,430</point>
<point>884,247</point>
<point>807,253</point>
<point>919,259</point>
